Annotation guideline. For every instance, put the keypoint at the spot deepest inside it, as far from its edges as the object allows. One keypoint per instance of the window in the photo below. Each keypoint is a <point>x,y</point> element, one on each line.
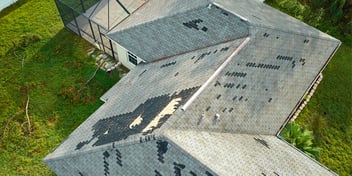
<point>132,58</point>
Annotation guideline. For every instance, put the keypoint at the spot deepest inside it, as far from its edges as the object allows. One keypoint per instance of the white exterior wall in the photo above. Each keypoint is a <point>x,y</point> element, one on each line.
<point>6,3</point>
<point>123,57</point>
<point>136,159</point>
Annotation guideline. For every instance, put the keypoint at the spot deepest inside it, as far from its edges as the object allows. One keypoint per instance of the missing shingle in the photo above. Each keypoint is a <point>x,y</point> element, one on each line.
<point>204,29</point>
<point>157,173</point>
<point>162,147</point>
<point>217,84</point>
<point>231,109</point>
<point>178,168</point>
<point>192,173</point>
<point>218,97</point>
<point>208,173</point>
<point>142,73</point>
<point>262,141</point>
<point>193,24</point>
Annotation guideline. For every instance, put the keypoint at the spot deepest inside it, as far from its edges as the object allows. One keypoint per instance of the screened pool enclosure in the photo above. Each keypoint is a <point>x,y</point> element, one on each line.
<point>93,19</point>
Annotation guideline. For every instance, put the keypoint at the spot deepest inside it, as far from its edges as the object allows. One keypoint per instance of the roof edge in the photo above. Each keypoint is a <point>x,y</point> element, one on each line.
<point>136,139</point>
<point>309,87</point>
<point>300,151</point>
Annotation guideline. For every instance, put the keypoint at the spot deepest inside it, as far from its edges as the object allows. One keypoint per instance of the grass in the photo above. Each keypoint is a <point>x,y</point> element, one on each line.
<point>55,68</point>
<point>329,112</point>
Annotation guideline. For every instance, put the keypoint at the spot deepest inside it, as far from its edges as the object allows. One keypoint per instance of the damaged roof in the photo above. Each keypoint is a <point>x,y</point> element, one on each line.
<point>218,71</point>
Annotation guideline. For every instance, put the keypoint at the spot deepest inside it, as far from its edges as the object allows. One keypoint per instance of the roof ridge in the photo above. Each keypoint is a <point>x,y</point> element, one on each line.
<point>150,21</point>
<point>215,74</point>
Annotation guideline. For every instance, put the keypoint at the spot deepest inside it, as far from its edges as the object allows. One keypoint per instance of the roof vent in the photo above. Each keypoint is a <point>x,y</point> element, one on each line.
<point>217,116</point>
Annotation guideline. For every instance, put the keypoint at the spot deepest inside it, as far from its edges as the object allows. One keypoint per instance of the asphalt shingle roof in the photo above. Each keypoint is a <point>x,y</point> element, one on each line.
<point>223,81</point>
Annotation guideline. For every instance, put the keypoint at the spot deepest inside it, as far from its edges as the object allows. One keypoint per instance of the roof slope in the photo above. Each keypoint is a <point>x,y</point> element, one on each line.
<point>260,14</point>
<point>177,33</point>
<point>171,84</point>
<point>259,89</point>
<point>241,154</point>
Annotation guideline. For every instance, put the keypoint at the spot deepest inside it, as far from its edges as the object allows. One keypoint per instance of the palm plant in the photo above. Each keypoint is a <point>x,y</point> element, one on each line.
<point>301,138</point>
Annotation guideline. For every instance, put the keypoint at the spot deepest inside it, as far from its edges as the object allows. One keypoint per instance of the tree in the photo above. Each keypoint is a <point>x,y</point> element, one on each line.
<point>301,138</point>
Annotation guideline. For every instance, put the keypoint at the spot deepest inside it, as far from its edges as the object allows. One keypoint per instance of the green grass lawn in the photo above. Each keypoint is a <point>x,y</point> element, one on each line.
<point>53,73</point>
<point>55,68</point>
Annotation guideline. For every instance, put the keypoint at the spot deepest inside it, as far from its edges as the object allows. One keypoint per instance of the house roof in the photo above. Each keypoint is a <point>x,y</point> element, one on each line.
<point>232,83</point>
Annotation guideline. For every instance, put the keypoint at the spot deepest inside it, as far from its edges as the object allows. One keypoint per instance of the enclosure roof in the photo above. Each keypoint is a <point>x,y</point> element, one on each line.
<point>108,13</point>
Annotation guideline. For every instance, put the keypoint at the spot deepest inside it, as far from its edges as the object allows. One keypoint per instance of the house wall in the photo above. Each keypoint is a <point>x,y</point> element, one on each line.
<point>149,156</point>
<point>123,56</point>
<point>6,3</point>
